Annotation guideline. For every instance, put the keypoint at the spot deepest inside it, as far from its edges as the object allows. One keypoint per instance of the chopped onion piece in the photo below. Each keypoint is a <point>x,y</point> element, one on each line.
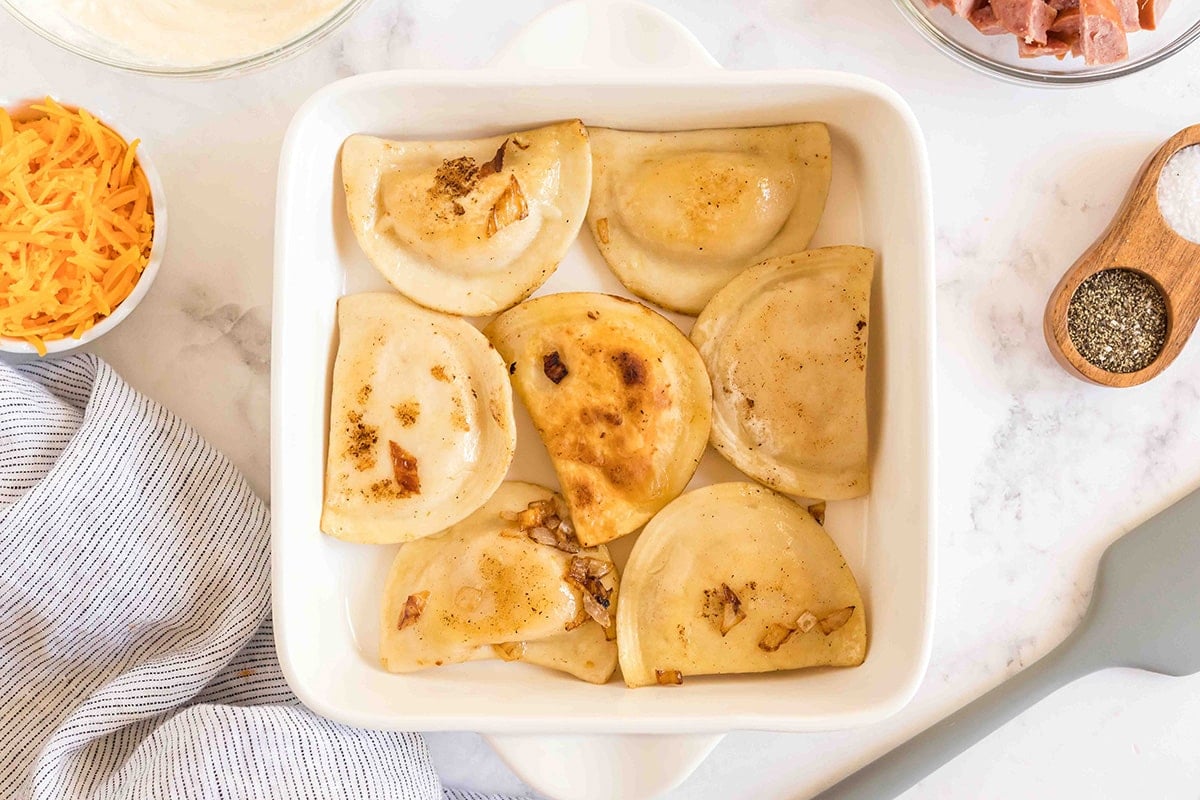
<point>413,607</point>
<point>806,622</point>
<point>668,677</point>
<point>775,637</point>
<point>836,620</point>
<point>731,609</point>
<point>510,651</point>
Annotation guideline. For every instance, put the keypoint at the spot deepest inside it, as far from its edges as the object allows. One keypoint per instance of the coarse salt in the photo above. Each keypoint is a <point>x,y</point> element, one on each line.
<point>1179,193</point>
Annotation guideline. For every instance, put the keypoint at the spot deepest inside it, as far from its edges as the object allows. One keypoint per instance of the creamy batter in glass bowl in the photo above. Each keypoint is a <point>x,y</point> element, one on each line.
<point>997,55</point>
<point>184,38</point>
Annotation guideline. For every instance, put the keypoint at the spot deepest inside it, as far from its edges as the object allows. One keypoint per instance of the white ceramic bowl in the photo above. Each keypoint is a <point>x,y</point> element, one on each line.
<point>158,246</point>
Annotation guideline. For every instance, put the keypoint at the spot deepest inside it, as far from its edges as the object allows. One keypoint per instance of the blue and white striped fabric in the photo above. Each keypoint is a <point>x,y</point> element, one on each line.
<point>136,656</point>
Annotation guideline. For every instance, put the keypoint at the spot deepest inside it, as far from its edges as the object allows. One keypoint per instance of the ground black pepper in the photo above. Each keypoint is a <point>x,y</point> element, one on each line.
<point>1117,320</point>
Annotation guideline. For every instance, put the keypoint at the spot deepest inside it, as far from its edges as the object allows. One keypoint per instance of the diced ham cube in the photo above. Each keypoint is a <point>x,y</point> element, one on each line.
<point>1150,12</point>
<point>1102,32</point>
<point>984,18</point>
<point>1054,46</point>
<point>1067,22</point>
<point>963,8</point>
<point>1129,15</point>
<point>1028,19</point>
<point>1066,28</point>
<point>1062,5</point>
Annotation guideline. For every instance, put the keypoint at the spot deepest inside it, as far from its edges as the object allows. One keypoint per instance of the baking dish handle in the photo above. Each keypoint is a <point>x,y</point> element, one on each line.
<point>611,35</point>
<point>577,767</point>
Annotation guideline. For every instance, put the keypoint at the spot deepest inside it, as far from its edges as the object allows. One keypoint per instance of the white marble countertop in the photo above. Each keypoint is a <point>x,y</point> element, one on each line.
<point>1039,472</point>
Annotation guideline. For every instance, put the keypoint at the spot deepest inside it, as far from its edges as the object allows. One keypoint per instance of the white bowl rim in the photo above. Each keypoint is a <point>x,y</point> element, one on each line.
<point>218,69</point>
<point>158,246</point>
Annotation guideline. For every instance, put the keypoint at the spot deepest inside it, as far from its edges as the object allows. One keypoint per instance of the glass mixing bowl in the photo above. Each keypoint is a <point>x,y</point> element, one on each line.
<point>38,17</point>
<point>997,55</point>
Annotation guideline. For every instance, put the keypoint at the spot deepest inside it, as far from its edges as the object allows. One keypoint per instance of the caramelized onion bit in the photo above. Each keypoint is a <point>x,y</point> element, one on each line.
<point>554,368</point>
<point>413,607</point>
<point>535,514</point>
<point>565,543</point>
<point>806,622</point>
<point>510,207</point>
<point>404,470</point>
<point>496,164</point>
<point>817,510</point>
<point>775,637</point>
<point>510,651</point>
<point>602,230</point>
<point>836,620</point>
<point>584,567</point>
<point>595,610</point>
<point>580,618</point>
<point>545,522</point>
<point>668,677</point>
<point>584,573</point>
<point>731,609</point>
<point>543,536</point>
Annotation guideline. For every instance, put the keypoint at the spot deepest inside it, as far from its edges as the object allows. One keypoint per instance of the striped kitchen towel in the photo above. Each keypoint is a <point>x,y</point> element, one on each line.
<point>136,655</point>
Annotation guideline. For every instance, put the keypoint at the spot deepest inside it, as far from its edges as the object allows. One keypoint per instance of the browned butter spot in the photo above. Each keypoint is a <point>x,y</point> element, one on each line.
<point>404,469</point>
<point>456,177</point>
<point>458,416</point>
<point>633,369</point>
<point>582,495</point>
<point>439,373</point>
<point>362,438</point>
<point>407,413</point>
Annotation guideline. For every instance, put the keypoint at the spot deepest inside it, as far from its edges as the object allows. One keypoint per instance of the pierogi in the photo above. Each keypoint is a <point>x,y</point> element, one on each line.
<point>677,215</point>
<point>785,344</point>
<point>469,227</point>
<point>509,582</point>
<point>734,578</point>
<point>619,397</point>
<point>421,428</point>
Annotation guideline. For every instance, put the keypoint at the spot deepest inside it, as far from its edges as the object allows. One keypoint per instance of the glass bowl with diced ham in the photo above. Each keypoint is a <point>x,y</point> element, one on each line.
<point>1056,42</point>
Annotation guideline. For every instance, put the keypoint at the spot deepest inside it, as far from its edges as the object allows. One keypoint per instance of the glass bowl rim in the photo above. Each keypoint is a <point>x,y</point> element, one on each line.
<point>1030,76</point>
<point>220,69</point>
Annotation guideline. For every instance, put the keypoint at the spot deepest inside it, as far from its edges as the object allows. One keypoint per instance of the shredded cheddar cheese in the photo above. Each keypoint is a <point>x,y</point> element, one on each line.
<point>76,223</point>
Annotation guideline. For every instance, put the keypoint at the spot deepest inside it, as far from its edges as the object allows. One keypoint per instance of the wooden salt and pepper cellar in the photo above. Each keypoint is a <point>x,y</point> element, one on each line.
<point>1138,239</point>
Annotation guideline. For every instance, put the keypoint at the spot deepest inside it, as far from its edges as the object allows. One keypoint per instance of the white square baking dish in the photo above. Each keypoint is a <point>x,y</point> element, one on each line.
<point>326,592</point>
